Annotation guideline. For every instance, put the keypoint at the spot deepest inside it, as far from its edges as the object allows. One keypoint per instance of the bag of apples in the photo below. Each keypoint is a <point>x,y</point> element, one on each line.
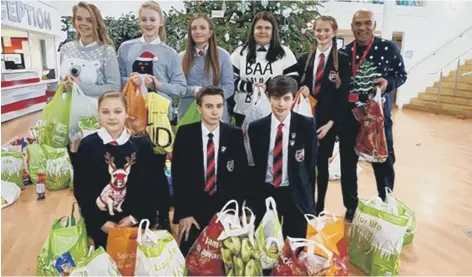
<point>204,257</point>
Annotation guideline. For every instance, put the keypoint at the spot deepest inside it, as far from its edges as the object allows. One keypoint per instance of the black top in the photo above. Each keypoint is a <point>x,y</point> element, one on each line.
<point>301,161</point>
<point>384,58</point>
<point>146,185</point>
<point>188,173</point>
<point>329,98</point>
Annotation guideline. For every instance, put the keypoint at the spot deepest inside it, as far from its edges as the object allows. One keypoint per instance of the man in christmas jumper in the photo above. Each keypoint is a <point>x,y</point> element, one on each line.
<point>381,62</point>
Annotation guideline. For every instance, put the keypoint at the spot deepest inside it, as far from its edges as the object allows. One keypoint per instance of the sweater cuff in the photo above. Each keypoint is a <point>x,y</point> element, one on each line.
<point>166,88</point>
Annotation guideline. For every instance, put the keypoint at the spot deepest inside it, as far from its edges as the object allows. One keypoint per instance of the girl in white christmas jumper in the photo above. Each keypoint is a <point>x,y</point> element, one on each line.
<point>151,57</point>
<point>90,61</point>
<point>258,61</point>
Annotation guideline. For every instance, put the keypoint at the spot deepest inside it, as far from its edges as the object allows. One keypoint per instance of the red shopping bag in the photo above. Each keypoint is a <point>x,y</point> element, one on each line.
<point>204,257</point>
<point>371,143</point>
<point>289,264</point>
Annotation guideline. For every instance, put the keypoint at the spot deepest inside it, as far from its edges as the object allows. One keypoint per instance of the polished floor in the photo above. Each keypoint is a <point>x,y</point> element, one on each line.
<point>433,176</point>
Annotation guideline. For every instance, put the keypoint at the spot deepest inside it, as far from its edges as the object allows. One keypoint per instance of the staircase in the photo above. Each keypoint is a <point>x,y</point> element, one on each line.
<point>452,95</point>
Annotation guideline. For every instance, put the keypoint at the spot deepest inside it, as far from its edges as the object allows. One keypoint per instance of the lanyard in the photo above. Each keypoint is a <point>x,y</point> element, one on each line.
<point>355,67</point>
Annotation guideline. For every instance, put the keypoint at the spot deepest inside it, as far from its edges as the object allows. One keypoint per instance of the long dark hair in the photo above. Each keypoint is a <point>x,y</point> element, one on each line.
<point>210,60</point>
<point>275,50</point>
<point>334,48</point>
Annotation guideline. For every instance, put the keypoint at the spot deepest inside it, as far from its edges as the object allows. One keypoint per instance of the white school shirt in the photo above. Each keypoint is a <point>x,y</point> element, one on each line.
<point>274,125</point>
<point>317,60</point>
<point>216,143</point>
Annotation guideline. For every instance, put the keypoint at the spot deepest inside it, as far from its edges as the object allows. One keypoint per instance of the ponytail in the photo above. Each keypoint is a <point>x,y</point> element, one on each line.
<point>308,59</point>
<point>336,61</point>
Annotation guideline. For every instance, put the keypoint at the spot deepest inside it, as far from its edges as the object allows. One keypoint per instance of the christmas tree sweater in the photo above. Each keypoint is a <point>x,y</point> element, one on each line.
<point>383,60</point>
<point>261,71</point>
<point>95,66</point>
<point>145,191</point>
<point>154,58</point>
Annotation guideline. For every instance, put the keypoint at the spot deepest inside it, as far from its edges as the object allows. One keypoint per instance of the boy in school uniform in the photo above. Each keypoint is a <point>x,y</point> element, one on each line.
<point>209,165</point>
<point>283,145</point>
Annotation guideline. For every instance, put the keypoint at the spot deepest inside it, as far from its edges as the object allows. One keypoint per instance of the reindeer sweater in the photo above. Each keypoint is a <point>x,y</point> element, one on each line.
<point>146,186</point>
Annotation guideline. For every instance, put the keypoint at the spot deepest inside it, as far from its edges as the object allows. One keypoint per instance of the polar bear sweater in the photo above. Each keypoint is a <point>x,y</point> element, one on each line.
<point>261,71</point>
<point>95,66</point>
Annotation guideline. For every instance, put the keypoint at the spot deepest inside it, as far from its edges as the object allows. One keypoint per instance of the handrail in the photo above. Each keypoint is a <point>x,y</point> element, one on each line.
<point>440,48</point>
<point>451,61</point>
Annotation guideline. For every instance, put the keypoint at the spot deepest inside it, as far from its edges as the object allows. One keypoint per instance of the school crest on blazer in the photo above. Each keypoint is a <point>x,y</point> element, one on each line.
<point>230,165</point>
<point>300,155</point>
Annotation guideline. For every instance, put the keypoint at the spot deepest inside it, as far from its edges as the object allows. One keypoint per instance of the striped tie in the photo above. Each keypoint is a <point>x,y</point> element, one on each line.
<point>319,74</point>
<point>278,157</point>
<point>210,185</point>
<point>113,142</point>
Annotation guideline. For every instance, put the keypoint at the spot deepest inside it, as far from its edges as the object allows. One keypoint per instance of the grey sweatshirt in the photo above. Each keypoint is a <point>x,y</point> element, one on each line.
<point>155,58</point>
<point>95,66</point>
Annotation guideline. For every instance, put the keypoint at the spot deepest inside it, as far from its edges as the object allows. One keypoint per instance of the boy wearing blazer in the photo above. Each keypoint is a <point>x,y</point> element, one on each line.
<point>283,145</point>
<point>209,165</point>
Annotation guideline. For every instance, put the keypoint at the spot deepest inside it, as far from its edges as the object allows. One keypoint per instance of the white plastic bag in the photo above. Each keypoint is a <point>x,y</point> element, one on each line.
<point>302,105</point>
<point>260,107</point>
<point>158,253</point>
<point>335,164</point>
<point>83,106</point>
<point>10,193</point>
<point>269,237</point>
<point>97,263</point>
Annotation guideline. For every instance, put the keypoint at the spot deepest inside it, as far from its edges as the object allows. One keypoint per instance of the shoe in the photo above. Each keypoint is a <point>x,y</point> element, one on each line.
<point>349,215</point>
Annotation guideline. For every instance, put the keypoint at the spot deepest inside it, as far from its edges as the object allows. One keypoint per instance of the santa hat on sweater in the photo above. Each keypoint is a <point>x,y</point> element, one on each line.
<point>147,56</point>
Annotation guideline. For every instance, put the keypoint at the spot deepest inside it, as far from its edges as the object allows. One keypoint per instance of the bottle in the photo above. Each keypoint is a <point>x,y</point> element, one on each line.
<point>40,186</point>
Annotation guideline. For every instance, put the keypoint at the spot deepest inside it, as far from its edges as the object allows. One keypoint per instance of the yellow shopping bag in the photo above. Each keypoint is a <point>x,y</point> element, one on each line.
<point>159,128</point>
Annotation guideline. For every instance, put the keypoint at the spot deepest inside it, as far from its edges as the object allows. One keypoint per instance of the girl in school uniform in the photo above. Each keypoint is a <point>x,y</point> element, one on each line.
<point>205,64</point>
<point>113,174</point>
<point>90,60</point>
<point>151,57</point>
<point>259,60</point>
<point>323,80</point>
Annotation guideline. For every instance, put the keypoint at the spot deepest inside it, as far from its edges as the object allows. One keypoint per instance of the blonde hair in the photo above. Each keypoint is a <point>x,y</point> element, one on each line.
<point>153,5</point>
<point>113,95</point>
<point>99,28</point>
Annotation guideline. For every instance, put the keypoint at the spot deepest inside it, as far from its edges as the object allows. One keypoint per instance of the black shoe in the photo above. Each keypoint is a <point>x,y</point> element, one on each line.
<point>349,215</point>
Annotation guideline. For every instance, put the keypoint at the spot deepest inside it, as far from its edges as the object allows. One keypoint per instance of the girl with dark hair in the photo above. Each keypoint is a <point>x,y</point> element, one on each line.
<point>202,55</point>
<point>324,82</point>
<point>259,60</point>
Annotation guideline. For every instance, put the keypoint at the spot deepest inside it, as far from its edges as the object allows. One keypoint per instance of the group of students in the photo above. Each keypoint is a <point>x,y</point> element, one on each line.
<point>209,163</point>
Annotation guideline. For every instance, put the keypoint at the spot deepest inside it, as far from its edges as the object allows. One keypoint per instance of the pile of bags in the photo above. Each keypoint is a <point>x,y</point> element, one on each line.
<point>130,252</point>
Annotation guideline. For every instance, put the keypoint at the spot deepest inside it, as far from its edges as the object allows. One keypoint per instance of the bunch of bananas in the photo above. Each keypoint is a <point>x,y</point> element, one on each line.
<point>239,257</point>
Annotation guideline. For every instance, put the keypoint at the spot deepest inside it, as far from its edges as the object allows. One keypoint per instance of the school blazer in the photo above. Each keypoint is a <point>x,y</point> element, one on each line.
<point>330,99</point>
<point>301,160</point>
<point>188,173</point>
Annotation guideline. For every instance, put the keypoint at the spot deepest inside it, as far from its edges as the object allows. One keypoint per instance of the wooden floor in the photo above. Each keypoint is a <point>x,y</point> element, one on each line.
<point>433,176</point>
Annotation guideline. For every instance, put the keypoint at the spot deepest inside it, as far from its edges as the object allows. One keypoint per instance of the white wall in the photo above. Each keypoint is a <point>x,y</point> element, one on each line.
<point>426,29</point>
<point>112,8</point>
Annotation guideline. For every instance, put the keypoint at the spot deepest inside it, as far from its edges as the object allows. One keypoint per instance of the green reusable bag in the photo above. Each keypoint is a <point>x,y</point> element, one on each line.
<point>97,263</point>
<point>54,125</point>
<point>66,245</point>
<point>403,209</point>
<point>376,238</point>
<point>13,166</point>
<point>58,168</point>
<point>191,116</point>
<point>54,162</point>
